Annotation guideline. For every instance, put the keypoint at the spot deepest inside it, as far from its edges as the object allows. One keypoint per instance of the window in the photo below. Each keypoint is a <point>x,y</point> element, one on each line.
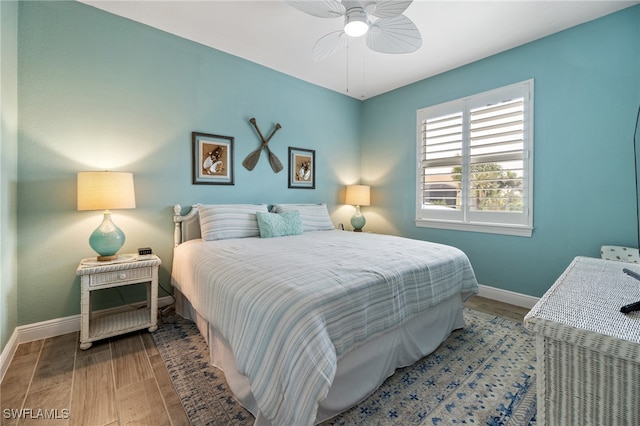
<point>475,162</point>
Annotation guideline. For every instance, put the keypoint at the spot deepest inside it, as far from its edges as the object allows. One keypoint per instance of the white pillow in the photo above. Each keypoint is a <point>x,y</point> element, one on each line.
<point>224,221</point>
<point>315,217</point>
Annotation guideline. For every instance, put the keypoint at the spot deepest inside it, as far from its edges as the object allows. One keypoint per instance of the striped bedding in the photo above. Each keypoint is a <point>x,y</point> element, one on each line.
<point>290,307</point>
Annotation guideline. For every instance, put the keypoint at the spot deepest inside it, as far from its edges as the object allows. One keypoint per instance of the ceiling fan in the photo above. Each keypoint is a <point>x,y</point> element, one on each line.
<point>385,28</point>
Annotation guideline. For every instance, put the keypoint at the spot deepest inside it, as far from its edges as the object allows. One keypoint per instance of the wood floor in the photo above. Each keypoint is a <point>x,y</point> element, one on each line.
<point>121,381</point>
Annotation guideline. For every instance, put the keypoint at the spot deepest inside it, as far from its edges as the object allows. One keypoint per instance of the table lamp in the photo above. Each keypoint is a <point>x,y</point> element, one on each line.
<point>357,195</point>
<point>106,191</point>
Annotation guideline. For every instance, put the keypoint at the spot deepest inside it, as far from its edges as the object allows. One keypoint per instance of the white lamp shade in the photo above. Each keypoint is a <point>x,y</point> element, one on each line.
<point>105,191</point>
<point>358,195</point>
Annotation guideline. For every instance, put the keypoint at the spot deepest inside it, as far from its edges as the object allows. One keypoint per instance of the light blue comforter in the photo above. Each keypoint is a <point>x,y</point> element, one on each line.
<point>290,307</point>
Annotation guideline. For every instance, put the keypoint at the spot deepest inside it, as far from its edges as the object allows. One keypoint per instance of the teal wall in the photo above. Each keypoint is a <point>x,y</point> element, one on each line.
<point>8,169</point>
<point>100,92</point>
<point>587,93</point>
<point>97,92</point>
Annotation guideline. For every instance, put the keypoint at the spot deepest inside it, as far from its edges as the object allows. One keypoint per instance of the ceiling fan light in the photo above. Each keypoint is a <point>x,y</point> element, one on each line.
<point>355,22</point>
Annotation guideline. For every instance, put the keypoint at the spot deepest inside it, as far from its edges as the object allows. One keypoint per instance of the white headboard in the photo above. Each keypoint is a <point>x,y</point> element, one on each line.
<point>187,227</point>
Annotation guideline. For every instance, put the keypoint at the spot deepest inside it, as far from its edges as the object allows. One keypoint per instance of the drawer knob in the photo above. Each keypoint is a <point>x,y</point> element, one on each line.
<point>123,275</point>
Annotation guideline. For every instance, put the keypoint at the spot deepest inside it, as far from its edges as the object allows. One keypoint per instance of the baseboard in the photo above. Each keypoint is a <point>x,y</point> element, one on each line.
<point>57,327</point>
<point>52,328</point>
<point>507,296</point>
<point>7,354</point>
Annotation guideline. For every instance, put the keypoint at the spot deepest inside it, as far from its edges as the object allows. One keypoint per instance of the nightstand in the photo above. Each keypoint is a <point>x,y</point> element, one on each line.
<point>128,269</point>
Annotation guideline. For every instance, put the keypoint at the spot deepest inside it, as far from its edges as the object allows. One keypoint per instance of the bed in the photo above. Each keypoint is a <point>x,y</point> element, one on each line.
<point>306,320</point>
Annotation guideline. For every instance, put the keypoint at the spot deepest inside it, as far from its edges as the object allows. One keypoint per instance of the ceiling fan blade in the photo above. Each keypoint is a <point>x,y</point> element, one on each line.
<point>386,8</point>
<point>319,8</point>
<point>329,45</point>
<point>394,35</point>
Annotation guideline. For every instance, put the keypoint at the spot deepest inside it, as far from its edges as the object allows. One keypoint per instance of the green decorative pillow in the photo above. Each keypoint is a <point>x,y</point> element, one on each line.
<point>279,224</point>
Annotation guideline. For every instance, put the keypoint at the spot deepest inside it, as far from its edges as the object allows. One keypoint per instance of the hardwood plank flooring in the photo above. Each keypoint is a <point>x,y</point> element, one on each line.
<point>93,387</point>
<point>482,304</point>
<point>119,381</point>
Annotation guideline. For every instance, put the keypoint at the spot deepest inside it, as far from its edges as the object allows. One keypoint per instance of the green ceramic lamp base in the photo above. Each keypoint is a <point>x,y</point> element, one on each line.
<point>358,221</point>
<point>107,239</point>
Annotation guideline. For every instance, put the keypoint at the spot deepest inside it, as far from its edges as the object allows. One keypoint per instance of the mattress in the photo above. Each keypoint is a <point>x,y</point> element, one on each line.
<point>289,308</point>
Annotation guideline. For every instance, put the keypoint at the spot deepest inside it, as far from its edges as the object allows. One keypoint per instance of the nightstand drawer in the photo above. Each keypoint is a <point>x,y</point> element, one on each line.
<point>97,280</point>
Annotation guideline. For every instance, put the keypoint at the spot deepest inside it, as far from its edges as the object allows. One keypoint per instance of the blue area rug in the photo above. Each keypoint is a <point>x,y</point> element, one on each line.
<point>483,374</point>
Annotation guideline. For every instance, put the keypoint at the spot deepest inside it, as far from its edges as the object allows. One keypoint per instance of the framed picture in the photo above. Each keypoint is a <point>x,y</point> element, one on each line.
<point>302,168</point>
<point>212,159</point>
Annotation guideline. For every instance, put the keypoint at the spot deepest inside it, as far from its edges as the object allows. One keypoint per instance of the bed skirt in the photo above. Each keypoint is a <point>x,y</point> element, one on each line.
<point>359,372</point>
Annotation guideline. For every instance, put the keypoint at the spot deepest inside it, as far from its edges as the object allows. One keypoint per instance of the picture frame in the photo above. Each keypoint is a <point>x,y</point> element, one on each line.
<point>212,159</point>
<point>302,168</point>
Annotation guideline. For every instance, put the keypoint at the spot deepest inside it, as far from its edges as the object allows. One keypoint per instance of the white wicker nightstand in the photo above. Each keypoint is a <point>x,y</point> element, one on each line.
<point>588,352</point>
<point>127,270</point>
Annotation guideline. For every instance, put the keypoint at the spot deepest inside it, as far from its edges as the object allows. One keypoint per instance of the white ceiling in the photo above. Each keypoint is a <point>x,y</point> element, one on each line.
<point>278,36</point>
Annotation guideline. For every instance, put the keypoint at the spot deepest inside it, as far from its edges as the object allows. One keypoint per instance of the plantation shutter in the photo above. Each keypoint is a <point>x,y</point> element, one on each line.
<point>475,165</point>
<point>496,155</point>
<point>442,160</point>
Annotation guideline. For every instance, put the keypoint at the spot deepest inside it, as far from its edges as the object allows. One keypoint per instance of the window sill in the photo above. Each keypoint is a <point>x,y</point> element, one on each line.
<point>515,230</point>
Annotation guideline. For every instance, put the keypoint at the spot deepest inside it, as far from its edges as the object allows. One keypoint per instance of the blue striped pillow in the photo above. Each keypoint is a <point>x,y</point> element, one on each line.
<point>224,221</point>
<point>279,224</point>
<point>315,217</point>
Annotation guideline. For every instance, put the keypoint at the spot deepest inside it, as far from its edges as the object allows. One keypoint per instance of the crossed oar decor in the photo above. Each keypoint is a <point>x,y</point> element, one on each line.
<point>252,159</point>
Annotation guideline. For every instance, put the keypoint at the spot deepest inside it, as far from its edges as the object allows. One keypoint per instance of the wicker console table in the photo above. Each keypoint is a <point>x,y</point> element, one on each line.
<point>588,352</point>
<point>130,269</point>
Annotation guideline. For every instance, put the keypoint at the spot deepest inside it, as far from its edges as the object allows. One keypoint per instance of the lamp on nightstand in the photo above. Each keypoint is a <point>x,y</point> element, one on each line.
<point>106,191</point>
<point>358,195</point>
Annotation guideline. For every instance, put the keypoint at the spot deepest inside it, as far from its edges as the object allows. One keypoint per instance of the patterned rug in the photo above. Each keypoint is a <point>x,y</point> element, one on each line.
<point>483,374</point>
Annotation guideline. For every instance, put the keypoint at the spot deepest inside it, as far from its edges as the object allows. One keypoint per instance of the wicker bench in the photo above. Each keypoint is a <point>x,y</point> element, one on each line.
<point>588,352</point>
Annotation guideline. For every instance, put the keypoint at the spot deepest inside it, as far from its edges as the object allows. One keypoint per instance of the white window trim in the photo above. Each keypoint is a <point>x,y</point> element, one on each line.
<point>487,228</point>
<point>523,230</point>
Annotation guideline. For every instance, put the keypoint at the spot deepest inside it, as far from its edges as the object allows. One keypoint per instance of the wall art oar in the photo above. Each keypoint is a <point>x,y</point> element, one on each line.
<point>252,159</point>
